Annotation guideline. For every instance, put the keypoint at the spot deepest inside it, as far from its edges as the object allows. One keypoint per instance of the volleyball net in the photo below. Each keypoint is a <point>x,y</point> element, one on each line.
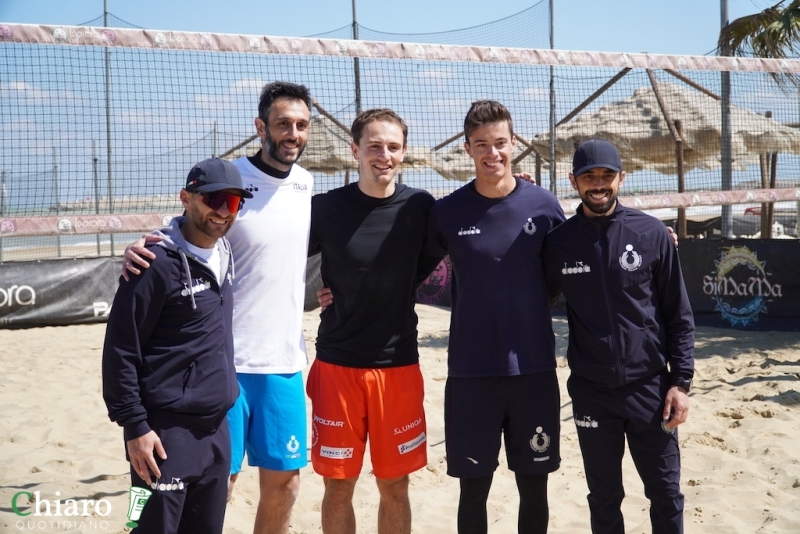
<point>101,125</point>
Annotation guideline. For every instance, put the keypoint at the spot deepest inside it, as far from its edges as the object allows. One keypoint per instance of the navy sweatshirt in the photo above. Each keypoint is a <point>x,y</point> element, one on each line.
<point>628,310</point>
<point>500,323</point>
<point>169,344</point>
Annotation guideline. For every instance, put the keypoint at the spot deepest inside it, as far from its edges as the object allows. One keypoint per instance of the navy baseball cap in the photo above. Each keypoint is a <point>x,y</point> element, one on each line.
<point>593,154</point>
<point>215,174</point>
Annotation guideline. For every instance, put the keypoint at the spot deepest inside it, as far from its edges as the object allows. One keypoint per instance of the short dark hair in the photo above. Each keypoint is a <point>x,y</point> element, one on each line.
<point>486,112</point>
<point>377,114</point>
<point>275,90</point>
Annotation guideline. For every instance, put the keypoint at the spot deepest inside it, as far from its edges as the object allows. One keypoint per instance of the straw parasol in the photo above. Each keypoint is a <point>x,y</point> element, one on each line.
<point>455,164</point>
<point>637,127</point>
<point>328,149</point>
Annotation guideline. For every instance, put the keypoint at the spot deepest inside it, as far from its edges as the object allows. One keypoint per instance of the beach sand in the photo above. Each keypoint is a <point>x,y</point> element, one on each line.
<point>740,474</point>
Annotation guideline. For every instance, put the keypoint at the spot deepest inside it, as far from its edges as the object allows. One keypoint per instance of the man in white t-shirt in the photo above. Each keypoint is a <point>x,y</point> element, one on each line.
<point>270,246</point>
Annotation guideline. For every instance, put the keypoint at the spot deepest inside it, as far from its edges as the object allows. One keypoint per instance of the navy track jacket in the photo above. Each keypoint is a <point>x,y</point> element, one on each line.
<point>628,310</point>
<point>169,342</point>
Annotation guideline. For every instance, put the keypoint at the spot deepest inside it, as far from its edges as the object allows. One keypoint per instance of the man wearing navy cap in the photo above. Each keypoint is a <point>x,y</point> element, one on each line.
<point>168,373</point>
<point>631,341</point>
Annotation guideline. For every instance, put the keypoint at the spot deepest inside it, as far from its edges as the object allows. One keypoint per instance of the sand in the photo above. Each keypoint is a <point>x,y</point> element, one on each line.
<point>741,465</point>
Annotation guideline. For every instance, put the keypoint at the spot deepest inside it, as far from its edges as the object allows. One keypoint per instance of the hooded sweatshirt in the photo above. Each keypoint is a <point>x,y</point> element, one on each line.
<point>169,344</point>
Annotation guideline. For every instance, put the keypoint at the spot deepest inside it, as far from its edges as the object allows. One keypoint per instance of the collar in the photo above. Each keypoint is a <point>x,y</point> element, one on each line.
<point>618,213</point>
<point>259,164</point>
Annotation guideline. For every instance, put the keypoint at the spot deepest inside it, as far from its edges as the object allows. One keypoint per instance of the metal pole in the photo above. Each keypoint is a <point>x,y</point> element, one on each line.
<point>553,174</point>
<point>108,125</point>
<point>356,66</point>
<point>58,197</point>
<point>96,179</point>
<point>725,143</point>
<point>3,195</point>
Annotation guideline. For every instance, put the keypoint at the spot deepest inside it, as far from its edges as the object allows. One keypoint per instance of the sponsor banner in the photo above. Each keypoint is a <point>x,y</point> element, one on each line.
<point>57,292</point>
<point>748,284</point>
<point>82,224</point>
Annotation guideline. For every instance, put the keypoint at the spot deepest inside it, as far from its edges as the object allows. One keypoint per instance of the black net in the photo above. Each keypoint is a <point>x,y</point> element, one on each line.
<point>89,129</point>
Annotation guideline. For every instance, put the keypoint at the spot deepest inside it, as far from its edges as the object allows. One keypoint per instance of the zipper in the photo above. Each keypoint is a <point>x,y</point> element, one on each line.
<point>602,239</point>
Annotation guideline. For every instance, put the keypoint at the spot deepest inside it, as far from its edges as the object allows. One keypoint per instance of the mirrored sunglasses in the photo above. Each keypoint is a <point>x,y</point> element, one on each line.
<point>217,199</point>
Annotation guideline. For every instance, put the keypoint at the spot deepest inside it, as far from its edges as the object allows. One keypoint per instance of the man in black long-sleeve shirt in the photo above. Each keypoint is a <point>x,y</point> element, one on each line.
<point>366,380</point>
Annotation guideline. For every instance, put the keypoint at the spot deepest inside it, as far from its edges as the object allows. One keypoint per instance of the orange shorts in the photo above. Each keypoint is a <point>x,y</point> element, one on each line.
<point>349,403</point>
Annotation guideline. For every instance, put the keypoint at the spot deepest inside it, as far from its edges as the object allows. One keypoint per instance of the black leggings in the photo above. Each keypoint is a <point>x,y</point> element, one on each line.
<point>533,509</point>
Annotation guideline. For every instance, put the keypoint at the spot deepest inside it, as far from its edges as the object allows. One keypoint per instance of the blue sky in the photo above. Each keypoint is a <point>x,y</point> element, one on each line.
<point>666,27</point>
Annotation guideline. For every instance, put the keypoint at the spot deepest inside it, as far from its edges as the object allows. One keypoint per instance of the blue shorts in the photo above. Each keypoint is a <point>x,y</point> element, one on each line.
<point>269,422</point>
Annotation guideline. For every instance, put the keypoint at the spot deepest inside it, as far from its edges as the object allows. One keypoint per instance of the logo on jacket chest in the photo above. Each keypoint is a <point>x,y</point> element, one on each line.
<point>630,259</point>
<point>197,286</point>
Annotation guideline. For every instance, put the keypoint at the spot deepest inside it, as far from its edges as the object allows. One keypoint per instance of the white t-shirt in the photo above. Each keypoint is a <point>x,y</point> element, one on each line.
<point>270,247</point>
<point>211,257</point>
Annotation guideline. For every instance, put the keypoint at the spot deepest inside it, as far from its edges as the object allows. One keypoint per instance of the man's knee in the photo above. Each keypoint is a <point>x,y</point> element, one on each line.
<point>280,481</point>
<point>339,489</point>
<point>393,488</point>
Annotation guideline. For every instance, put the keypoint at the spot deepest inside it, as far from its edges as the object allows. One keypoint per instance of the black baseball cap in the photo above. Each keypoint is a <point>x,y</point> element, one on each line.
<point>593,154</point>
<point>215,174</point>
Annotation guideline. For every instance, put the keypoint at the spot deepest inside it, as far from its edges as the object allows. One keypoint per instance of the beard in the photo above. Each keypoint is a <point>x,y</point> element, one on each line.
<point>594,207</point>
<point>273,150</point>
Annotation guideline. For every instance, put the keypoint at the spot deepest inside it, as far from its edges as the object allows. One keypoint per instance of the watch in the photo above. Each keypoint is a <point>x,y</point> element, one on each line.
<point>683,383</point>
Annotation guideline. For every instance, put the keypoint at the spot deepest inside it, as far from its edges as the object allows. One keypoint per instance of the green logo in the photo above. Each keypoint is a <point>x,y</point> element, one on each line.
<point>138,498</point>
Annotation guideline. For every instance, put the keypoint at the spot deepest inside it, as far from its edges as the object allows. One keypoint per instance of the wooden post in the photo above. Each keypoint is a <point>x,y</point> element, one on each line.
<point>346,176</point>
<point>763,161</point>
<point>538,172</point>
<point>681,179</point>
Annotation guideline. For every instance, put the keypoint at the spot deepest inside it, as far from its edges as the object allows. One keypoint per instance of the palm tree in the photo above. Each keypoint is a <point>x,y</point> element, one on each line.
<point>772,33</point>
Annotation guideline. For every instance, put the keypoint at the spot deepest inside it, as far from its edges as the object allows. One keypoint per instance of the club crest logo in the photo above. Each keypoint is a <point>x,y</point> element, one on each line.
<point>630,259</point>
<point>529,227</point>
<point>540,441</point>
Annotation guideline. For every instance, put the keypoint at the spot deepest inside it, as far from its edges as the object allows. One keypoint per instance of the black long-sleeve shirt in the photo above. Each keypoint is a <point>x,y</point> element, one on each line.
<point>372,261</point>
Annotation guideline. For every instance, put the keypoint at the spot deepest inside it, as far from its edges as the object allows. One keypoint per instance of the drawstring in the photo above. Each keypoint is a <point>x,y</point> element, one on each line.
<point>227,246</point>
<point>188,276</point>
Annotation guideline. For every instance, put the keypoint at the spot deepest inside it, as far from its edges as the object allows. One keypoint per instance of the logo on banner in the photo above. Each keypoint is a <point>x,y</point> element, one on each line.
<point>64,226</point>
<point>8,226</point>
<point>435,286</point>
<point>19,295</point>
<point>740,286</point>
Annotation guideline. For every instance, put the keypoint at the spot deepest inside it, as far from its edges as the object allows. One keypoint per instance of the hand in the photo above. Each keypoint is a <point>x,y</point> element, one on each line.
<point>140,451</point>
<point>528,177</point>
<point>135,254</point>
<point>325,298</point>
<point>673,235</point>
<point>677,405</point>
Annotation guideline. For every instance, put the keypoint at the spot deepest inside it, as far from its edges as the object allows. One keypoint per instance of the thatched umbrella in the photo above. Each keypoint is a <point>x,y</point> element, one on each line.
<point>328,149</point>
<point>637,127</point>
<point>455,164</point>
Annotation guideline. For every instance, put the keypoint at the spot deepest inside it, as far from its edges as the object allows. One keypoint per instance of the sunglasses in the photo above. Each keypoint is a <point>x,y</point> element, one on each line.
<point>218,199</point>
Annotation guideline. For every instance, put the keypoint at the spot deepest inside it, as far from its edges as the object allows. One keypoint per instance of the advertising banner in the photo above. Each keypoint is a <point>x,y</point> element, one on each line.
<point>57,292</point>
<point>748,284</point>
